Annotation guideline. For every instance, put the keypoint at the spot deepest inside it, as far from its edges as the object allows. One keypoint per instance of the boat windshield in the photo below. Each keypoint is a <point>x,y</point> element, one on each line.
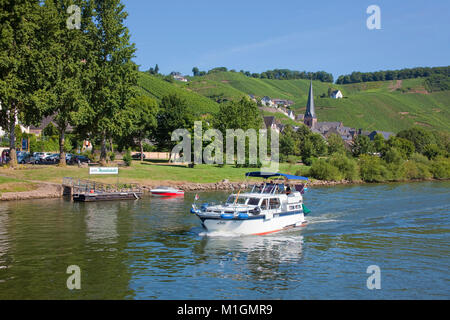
<point>232,199</point>
<point>253,201</point>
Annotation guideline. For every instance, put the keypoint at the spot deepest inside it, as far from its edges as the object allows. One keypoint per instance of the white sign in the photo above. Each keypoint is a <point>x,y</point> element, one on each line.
<point>103,170</point>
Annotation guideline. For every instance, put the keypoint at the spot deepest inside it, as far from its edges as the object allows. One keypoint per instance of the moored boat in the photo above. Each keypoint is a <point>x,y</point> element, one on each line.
<point>266,208</point>
<point>162,191</point>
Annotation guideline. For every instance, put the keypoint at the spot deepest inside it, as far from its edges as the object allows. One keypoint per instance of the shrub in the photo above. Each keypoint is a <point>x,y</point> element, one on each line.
<point>323,170</point>
<point>348,167</point>
<point>309,161</point>
<point>415,170</point>
<point>420,158</point>
<point>432,151</point>
<point>440,168</point>
<point>372,169</point>
<point>112,156</point>
<point>127,158</point>
<point>392,155</point>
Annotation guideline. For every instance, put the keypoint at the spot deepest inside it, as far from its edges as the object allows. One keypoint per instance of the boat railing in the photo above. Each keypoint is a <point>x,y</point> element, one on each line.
<point>80,186</point>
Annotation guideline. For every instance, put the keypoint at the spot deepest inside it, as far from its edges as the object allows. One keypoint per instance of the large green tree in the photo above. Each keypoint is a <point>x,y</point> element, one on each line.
<point>114,74</point>
<point>174,113</point>
<point>143,112</point>
<point>20,80</point>
<point>69,57</point>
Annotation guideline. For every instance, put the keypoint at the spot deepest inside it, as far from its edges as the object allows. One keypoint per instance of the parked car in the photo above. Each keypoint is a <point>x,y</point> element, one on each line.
<point>68,157</point>
<point>138,156</point>
<point>23,157</point>
<point>40,156</point>
<point>51,159</point>
<point>79,159</point>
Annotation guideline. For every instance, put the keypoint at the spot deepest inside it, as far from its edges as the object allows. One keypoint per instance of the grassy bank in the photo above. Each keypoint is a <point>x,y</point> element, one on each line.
<point>142,173</point>
<point>9,184</point>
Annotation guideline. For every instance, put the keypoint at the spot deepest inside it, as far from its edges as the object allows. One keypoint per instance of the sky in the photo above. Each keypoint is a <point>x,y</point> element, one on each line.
<point>262,35</point>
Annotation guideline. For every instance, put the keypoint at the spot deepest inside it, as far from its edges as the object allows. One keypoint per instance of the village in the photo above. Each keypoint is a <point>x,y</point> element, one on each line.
<point>325,129</point>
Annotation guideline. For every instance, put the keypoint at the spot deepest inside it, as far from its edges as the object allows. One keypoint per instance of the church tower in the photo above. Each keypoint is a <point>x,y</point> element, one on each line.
<point>310,115</point>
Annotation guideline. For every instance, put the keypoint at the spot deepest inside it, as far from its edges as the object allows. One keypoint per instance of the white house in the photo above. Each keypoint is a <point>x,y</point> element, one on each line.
<point>267,101</point>
<point>291,114</point>
<point>23,128</point>
<point>337,94</point>
<point>180,78</point>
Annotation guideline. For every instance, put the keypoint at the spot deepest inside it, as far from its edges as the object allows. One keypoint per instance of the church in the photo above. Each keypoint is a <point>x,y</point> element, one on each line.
<point>325,129</point>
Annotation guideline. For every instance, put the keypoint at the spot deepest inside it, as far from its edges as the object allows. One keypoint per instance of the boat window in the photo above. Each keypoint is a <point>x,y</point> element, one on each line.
<point>264,204</point>
<point>269,188</point>
<point>253,201</point>
<point>274,203</point>
<point>232,199</point>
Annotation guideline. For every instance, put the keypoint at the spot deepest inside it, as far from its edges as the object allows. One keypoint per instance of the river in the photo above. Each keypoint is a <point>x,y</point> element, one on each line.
<point>155,249</point>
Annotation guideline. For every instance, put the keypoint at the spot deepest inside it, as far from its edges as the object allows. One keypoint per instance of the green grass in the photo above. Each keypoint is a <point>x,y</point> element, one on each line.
<point>157,88</point>
<point>9,184</point>
<point>146,172</point>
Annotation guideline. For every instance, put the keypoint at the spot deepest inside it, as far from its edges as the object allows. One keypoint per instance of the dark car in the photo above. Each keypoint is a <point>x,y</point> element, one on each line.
<point>79,159</point>
<point>138,156</point>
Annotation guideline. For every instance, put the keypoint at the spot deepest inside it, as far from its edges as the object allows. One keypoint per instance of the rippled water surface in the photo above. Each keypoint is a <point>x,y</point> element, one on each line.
<point>155,249</point>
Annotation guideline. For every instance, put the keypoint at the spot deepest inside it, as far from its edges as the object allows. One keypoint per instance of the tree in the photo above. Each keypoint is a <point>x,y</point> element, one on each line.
<point>335,144</point>
<point>19,77</point>
<point>143,111</point>
<point>362,145</point>
<point>195,71</point>
<point>404,146</point>
<point>379,143</point>
<point>242,114</point>
<point>418,136</point>
<point>156,69</point>
<point>174,113</point>
<point>288,144</point>
<point>69,59</point>
<point>114,75</point>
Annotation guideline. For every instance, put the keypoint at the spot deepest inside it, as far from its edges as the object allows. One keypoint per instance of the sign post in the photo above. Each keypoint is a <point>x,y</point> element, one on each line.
<point>105,171</point>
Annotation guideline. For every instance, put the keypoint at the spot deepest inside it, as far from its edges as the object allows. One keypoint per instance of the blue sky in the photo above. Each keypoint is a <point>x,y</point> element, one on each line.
<point>294,34</point>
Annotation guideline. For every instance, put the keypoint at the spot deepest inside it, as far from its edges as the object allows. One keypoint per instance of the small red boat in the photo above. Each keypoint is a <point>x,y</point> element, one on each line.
<point>166,192</point>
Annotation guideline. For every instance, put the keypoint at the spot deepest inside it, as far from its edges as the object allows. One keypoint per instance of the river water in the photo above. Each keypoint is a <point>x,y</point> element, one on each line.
<point>155,249</point>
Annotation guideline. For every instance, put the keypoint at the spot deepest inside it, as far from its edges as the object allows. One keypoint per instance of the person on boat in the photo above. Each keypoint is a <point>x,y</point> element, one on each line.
<point>288,189</point>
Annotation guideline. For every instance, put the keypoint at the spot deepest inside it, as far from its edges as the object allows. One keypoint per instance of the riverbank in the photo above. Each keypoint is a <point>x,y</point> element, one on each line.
<point>44,182</point>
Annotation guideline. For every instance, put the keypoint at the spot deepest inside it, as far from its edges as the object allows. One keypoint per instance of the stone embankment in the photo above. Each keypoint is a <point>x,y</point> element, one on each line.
<point>50,190</point>
<point>43,191</point>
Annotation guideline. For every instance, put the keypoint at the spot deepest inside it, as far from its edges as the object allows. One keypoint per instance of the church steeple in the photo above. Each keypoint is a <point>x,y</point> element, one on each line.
<point>310,114</point>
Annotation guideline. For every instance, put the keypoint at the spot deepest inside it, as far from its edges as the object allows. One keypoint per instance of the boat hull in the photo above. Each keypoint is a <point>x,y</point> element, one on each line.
<point>167,194</point>
<point>259,225</point>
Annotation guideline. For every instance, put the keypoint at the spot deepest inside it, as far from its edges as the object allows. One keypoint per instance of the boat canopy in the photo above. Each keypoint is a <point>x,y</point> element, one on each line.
<point>267,175</point>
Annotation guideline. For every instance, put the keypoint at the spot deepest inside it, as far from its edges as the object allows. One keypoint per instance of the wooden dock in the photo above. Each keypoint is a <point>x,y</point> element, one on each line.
<point>89,191</point>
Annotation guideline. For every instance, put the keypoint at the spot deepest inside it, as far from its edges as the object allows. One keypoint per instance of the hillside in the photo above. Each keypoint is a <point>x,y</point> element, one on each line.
<point>384,105</point>
<point>157,88</point>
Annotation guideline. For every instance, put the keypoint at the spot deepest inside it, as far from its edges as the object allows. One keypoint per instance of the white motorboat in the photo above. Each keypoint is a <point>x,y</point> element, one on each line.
<point>166,192</point>
<point>268,207</point>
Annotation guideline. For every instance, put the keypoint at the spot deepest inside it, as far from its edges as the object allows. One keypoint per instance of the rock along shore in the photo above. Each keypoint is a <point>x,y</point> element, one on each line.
<point>44,191</point>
